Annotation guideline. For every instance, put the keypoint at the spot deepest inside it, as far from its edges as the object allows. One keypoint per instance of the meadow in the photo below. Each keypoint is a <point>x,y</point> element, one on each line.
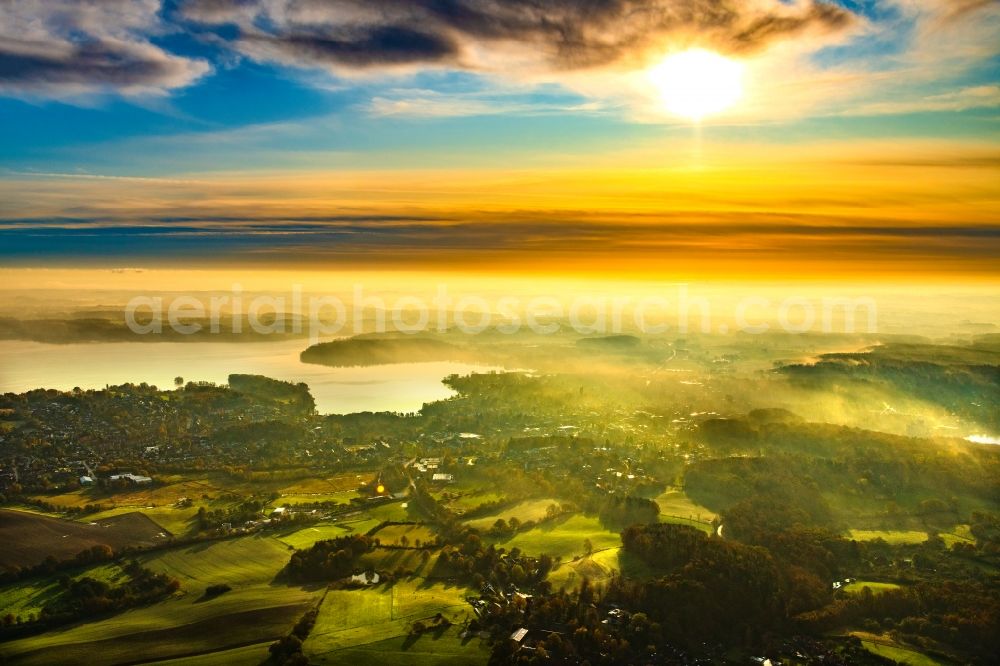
<point>257,609</point>
<point>409,534</point>
<point>372,625</point>
<point>528,510</point>
<point>889,536</point>
<point>874,586</point>
<point>563,537</point>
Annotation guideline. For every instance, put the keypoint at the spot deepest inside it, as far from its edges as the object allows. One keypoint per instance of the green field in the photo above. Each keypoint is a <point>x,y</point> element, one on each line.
<point>28,598</point>
<point>340,497</point>
<point>393,559</point>
<point>957,534</point>
<point>876,587</point>
<point>899,654</point>
<point>470,501</point>
<point>394,511</point>
<point>598,568</point>
<point>250,655</point>
<point>177,521</point>
<point>257,609</point>
<point>432,649</point>
<point>675,504</point>
<point>889,536</point>
<point>564,537</point>
<point>356,626</point>
<point>528,510</point>
<point>392,535</point>
<point>241,561</point>
<point>307,536</point>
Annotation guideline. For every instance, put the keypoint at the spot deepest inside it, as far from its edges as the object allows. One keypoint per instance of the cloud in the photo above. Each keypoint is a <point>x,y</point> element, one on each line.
<point>976,97</point>
<point>66,48</point>
<point>557,35</point>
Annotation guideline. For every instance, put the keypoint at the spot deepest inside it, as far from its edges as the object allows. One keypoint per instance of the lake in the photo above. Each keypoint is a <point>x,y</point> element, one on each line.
<point>401,388</point>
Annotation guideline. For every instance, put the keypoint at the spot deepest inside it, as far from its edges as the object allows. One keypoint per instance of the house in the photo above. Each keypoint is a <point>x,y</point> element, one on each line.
<point>365,579</point>
<point>519,635</point>
<point>443,478</point>
<point>132,478</point>
<point>86,481</point>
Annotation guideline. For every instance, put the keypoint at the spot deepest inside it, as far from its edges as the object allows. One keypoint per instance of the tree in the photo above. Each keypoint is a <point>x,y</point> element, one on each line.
<point>178,381</point>
<point>588,547</point>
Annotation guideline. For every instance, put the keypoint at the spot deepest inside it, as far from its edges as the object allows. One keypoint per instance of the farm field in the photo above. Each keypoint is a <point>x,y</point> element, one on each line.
<point>239,561</point>
<point>307,536</point>
<point>407,559</point>
<point>29,538</point>
<point>889,536</point>
<point>432,649</point>
<point>598,568</point>
<point>28,598</point>
<point>674,503</point>
<point>393,511</point>
<point>875,587</point>
<point>292,499</point>
<point>251,655</point>
<point>256,609</point>
<point>469,501</point>
<point>884,647</point>
<point>527,510</point>
<point>394,535</point>
<point>351,623</point>
<point>563,537</point>
<point>957,534</point>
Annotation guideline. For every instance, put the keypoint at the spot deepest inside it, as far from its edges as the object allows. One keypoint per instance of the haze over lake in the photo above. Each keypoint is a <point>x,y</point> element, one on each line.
<point>402,387</point>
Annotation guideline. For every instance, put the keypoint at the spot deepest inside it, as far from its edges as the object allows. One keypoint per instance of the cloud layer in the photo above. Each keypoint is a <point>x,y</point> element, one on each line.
<point>553,34</point>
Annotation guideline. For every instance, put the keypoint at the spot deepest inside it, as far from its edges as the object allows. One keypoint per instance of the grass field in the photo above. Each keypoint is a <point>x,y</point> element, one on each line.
<point>957,534</point>
<point>340,497</point>
<point>470,501</point>
<point>250,655</point>
<point>564,537</point>
<point>257,609</point>
<point>528,510</point>
<point>27,598</point>
<point>242,561</point>
<point>676,504</point>
<point>369,625</point>
<point>394,511</point>
<point>307,536</point>
<point>445,649</point>
<point>884,647</point>
<point>889,536</point>
<point>598,568</point>
<point>392,535</point>
<point>340,483</point>
<point>391,559</point>
<point>857,586</point>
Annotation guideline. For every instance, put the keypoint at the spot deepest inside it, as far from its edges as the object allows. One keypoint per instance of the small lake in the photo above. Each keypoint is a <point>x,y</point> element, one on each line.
<point>401,388</point>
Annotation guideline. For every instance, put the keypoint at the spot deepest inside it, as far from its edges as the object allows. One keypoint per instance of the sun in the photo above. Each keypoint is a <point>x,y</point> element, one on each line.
<point>697,83</point>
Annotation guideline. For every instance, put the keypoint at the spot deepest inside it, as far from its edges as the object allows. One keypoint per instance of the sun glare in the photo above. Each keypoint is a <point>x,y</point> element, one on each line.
<point>698,83</point>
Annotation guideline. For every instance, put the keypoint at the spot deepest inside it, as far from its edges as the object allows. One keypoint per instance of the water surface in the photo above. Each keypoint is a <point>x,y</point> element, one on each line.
<point>403,387</point>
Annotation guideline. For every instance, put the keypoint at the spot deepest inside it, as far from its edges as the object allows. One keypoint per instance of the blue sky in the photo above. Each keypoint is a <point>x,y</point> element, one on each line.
<point>79,125</point>
<point>92,90</point>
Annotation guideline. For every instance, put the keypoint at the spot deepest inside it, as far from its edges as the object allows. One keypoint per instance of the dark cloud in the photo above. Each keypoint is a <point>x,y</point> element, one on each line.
<point>380,45</point>
<point>562,34</point>
<point>94,64</point>
<point>68,47</point>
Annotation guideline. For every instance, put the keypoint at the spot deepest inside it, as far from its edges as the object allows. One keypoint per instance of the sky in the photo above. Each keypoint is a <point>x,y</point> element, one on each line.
<point>502,135</point>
